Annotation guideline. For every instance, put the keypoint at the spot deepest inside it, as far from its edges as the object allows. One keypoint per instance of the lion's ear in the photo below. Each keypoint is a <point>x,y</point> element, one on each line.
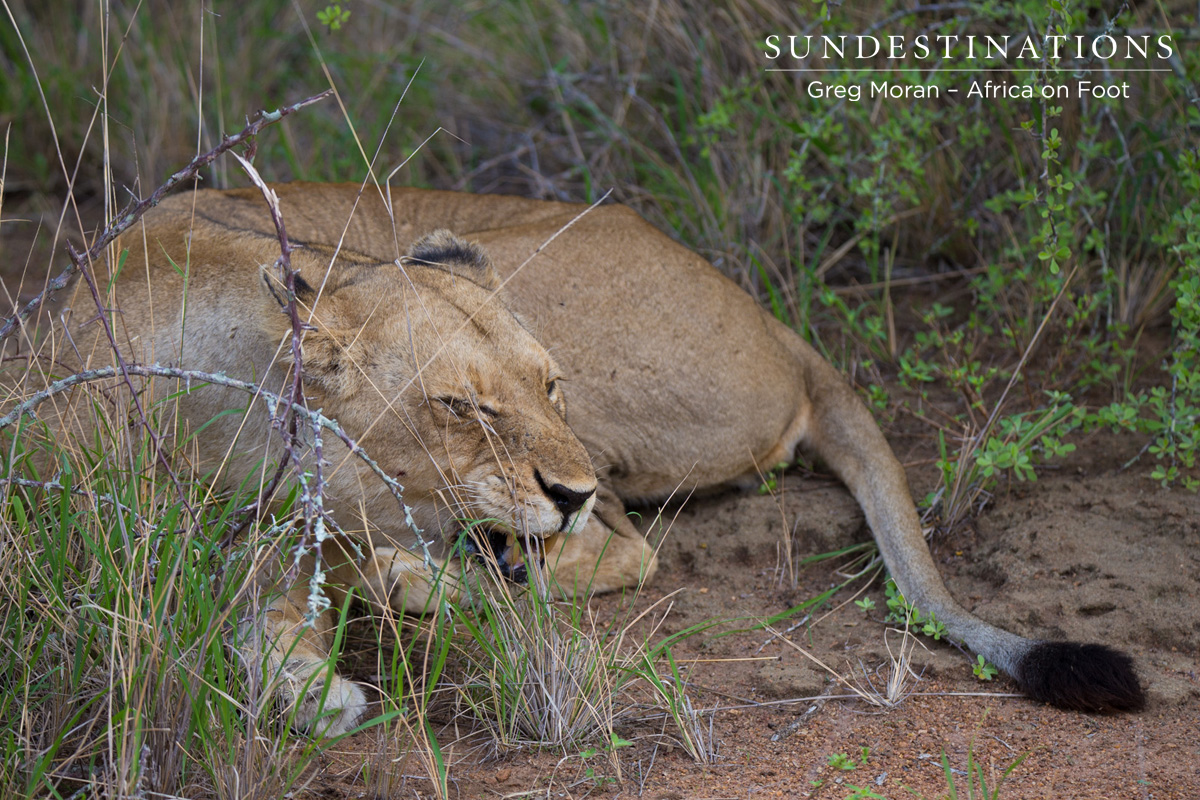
<point>443,250</point>
<point>306,295</point>
<point>323,350</point>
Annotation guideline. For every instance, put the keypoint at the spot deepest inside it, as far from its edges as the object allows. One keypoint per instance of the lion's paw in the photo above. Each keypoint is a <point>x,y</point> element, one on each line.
<point>312,709</point>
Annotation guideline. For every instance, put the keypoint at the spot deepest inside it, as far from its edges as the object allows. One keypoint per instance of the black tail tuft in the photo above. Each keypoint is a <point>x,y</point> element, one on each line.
<point>1080,677</point>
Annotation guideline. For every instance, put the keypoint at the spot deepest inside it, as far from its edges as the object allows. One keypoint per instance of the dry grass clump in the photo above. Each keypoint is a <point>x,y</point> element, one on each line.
<point>535,676</point>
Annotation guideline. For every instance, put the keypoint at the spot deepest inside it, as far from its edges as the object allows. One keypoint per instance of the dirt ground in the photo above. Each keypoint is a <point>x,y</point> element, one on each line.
<point>1088,552</point>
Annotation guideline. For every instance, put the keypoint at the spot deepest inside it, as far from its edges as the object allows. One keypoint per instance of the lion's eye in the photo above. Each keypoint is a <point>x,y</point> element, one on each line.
<point>465,408</point>
<point>456,404</point>
<point>552,388</point>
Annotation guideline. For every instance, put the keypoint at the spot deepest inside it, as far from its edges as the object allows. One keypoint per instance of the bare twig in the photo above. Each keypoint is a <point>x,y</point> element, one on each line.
<point>794,725</point>
<point>273,401</point>
<point>56,486</point>
<point>312,496</point>
<point>134,211</point>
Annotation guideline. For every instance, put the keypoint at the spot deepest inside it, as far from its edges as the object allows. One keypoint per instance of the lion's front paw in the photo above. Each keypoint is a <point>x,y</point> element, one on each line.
<point>598,559</point>
<point>310,708</point>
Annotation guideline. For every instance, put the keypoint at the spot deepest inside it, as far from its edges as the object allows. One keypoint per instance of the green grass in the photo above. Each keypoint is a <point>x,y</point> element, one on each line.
<point>118,611</point>
<point>132,618</point>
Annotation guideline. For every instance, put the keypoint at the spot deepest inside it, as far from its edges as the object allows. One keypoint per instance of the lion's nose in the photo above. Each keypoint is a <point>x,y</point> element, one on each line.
<point>568,501</point>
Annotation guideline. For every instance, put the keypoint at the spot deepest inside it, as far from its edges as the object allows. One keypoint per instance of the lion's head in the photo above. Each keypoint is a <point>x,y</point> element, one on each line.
<point>425,366</point>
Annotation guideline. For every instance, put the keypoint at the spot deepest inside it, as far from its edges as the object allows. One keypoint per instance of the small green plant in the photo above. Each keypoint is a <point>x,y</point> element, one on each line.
<point>847,763</point>
<point>615,742</point>
<point>770,481</point>
<point>865,604</point>
<point>843,762</point>
<point>333,16</point>
<point>1014,444</point>
<point>901,612</point>
<point>983,669</point>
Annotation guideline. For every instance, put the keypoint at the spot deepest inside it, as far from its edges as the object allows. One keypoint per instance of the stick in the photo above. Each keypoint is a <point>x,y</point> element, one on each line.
<point>134,211</point>
<point>273,402</point>
<point>312,498</point>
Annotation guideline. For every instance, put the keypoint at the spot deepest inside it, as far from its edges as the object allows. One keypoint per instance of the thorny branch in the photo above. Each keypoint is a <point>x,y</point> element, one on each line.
<point>57,486</point>
<point>274,401</point>
<point>134,211</point>
<point>285,412</point>
<point>81,263</point>
<point>288,279</point>
<point>311,495</point>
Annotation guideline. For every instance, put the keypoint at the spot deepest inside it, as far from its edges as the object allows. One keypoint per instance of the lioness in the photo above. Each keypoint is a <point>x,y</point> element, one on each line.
<point>456,370</point>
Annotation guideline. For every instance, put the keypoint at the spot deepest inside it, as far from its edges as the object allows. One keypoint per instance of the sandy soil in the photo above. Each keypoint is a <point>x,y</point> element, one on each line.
<point>1087,552</point>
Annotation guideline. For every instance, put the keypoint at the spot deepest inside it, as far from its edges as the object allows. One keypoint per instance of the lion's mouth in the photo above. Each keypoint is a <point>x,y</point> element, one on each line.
<point>506,551</point>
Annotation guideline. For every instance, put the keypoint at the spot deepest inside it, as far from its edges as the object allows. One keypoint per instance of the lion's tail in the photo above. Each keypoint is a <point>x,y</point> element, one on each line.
<point>1086,677</point>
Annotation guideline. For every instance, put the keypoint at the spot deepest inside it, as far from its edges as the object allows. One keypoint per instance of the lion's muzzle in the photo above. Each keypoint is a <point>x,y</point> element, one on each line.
<point>568,501</point>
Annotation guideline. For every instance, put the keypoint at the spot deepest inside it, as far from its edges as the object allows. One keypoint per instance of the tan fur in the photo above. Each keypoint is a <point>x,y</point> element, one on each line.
<point>675,379</point>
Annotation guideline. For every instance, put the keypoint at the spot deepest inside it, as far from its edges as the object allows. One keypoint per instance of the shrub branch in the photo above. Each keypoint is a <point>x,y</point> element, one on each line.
<point>134,211</point>
<point>273,401</point>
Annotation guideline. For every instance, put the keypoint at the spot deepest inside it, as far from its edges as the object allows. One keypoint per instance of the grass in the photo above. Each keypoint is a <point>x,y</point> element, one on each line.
<point>831,214</point>
<point>131,620</point>
<point>692,730</point>
<point>536,675</point>
<point>168,660</point>
<point>545,674</point>
<point>118,613</point>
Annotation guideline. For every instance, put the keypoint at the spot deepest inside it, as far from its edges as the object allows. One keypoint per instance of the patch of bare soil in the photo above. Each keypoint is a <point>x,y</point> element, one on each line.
<point>1087,552</point>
